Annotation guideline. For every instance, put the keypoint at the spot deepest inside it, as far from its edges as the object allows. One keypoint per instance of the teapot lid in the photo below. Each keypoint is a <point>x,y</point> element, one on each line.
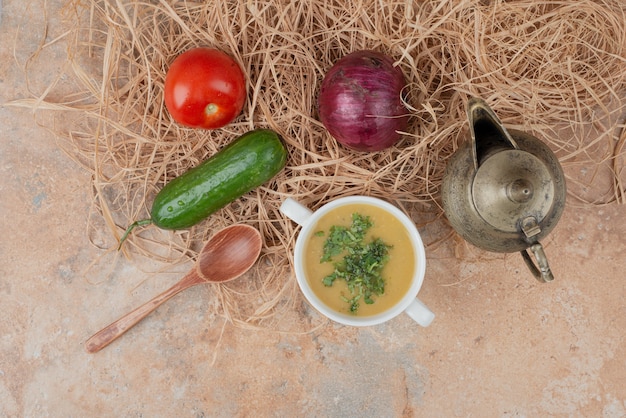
<point>512,186</point>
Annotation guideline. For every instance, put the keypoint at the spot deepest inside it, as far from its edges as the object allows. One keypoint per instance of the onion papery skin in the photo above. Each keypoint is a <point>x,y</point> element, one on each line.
<point>360,101</point>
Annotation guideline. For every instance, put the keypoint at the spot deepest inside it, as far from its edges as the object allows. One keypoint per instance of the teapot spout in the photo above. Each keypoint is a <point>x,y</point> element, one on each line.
<point>487,133</point>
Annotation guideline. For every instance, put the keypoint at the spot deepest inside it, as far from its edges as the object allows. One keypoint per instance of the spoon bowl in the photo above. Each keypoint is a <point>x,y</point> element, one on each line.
<point>229,253</point>
<point>226,256</point>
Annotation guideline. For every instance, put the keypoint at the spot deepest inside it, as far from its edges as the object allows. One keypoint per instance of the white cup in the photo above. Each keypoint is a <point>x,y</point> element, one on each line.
<point>409,303</point>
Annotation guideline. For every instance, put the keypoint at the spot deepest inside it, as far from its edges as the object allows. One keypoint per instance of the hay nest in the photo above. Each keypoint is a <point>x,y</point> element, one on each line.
<point>555,69</point>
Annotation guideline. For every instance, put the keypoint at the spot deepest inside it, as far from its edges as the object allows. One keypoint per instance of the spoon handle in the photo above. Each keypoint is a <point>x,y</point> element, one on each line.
<point>114,330</point>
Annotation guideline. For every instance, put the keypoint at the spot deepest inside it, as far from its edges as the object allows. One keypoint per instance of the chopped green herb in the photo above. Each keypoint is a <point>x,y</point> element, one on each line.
<point>360,264</point>
<point>342,238</point>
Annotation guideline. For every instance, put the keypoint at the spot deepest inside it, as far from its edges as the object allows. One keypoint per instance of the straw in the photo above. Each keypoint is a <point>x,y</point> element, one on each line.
<point>556,69</point>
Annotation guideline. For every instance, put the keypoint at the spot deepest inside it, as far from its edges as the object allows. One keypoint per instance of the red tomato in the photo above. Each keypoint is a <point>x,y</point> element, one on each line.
<point>204,88</point>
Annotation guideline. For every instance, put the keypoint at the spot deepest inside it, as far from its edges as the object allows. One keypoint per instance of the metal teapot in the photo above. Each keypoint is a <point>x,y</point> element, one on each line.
<point>504,190</point>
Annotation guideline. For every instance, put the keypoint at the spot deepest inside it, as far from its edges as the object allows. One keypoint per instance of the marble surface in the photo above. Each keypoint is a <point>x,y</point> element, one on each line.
<point>502,344</point>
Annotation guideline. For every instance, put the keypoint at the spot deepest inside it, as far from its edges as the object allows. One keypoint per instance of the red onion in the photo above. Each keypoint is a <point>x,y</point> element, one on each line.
<point>360,101</point>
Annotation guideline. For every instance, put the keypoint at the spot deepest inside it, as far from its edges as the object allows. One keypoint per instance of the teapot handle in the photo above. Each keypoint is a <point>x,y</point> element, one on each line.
<point>541,271</point>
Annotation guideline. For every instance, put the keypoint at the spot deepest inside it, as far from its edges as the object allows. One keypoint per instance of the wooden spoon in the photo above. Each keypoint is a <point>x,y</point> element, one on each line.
<point>227,255</point>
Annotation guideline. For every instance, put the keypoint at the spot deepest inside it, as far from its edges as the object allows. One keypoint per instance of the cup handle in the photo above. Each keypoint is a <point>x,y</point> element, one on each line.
<point>420,313</point>
<point>295,211</point>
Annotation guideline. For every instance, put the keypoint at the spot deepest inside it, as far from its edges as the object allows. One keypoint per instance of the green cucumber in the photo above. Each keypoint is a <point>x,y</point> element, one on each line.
<point>244,164</point>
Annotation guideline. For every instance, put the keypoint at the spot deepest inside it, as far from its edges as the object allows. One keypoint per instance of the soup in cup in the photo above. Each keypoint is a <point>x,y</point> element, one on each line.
<point>359,260</point>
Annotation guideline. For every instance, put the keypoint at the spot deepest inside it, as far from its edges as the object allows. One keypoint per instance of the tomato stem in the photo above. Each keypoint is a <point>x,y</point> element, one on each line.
<point>211,109</point>
<point>132,226</point>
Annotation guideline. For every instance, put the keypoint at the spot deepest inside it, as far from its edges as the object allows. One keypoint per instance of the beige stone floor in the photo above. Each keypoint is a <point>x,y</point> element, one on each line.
<point>502,344</point>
